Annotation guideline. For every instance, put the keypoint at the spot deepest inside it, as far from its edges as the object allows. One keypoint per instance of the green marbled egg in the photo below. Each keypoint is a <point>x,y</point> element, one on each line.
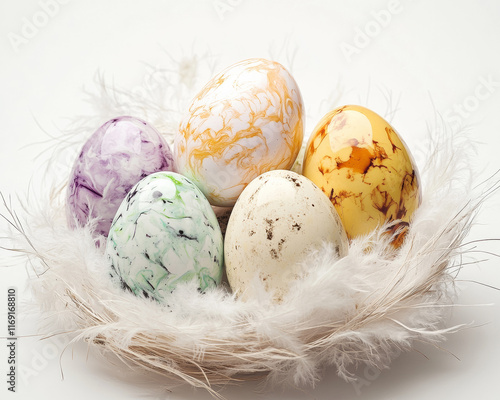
<point>164,232</point>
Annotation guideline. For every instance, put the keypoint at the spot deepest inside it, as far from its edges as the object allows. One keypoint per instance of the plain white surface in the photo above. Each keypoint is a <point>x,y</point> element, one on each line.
<point>415,57</point>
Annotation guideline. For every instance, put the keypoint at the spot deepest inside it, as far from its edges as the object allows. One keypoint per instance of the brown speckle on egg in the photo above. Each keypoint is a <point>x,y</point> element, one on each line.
<point>373,178</point>
<point>283,230</point>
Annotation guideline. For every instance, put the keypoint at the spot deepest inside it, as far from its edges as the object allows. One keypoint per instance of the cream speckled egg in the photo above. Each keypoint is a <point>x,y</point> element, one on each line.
<point>277,220</point>
<point>364,167</point>
<point>247,120</point>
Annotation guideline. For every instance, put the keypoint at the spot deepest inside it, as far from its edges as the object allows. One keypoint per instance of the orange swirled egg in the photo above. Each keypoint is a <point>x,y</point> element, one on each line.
<point>361,163</point>
<point>247,120</point>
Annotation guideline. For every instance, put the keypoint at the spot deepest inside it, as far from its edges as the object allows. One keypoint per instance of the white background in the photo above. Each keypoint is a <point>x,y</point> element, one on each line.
<point>425,57</point>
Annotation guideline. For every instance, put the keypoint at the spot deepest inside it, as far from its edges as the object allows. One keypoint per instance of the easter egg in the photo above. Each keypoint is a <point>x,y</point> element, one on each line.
<point>119,154</point>
<point>364,167</point>
<point>247,120</point>
<point>277,221</point>
<point>164,233</point>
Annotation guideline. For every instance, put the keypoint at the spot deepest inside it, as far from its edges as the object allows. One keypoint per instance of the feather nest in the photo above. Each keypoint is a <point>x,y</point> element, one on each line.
<point>362,309</point>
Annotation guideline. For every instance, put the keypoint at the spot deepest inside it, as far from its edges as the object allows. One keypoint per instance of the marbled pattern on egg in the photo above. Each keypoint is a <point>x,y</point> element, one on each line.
<point>361,163</point>
<point>247,120</point>
<point>277,221</point>
<point>165,232</point>
<point>119,154</point>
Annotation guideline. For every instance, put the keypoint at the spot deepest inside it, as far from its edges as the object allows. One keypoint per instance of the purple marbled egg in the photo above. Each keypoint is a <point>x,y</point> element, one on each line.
<point>117,156</point>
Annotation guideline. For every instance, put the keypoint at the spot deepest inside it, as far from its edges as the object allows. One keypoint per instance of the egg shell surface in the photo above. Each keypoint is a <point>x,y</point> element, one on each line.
<point>247,120</point>
<point>165,232</point>
<point>117,156</point>
<point>278,219</point>
<point>364,167</point>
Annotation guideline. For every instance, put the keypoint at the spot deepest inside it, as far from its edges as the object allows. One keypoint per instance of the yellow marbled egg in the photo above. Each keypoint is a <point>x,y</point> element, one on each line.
<point>361,163</point>
<point>247,120</point>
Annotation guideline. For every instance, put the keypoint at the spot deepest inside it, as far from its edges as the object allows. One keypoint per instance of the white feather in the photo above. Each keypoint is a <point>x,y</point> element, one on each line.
<point>362,309</point>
